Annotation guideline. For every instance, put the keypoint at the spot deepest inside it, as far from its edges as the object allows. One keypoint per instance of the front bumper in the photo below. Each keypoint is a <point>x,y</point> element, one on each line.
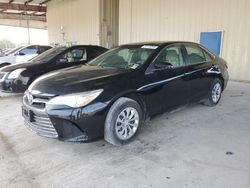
<point>226,78</point>
<point>12,86</point>
<point>40,123</point>
<point>64,123</point>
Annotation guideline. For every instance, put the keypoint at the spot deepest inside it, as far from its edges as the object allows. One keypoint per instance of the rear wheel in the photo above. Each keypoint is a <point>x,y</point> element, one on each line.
<point>214,94</point>
<point>123,121</point>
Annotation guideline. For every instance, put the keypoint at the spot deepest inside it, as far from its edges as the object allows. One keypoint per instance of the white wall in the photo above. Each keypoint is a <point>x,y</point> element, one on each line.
<point>79,18</point>
<point>147,20</point>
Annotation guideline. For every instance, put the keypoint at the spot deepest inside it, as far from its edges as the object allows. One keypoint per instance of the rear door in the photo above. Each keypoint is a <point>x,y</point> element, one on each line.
<point>199,62</point>
<point>168,88</point>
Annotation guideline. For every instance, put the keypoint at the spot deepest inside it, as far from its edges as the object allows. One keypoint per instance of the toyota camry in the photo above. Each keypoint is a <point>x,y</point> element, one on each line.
<point>115,93</point>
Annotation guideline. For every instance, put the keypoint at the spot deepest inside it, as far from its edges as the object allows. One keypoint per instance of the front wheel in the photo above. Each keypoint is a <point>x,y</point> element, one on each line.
<point>214,94</point>
<point>123,121</point>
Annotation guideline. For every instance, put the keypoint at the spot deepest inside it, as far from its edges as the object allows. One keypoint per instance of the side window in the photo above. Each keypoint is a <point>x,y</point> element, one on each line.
<point>207,56</point>
<point>195,54</point>
<point>171,55</point>
<point>44,48</point>
<point>29,50</point>
<point>75,55</point>
<point>97,51</point>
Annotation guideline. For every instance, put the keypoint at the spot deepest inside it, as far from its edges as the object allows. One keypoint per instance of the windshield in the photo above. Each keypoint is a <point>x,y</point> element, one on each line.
<point>49,54</point>
<point>125,57</point>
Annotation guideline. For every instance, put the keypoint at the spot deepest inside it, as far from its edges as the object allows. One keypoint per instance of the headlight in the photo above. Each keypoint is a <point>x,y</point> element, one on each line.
<point>76,100</point>
<point>14,74</point>
<point>2,76</point>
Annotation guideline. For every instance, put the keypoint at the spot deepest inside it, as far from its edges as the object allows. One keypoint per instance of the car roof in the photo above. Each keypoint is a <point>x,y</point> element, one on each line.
<point>84,46</point>
<point>160,43</point>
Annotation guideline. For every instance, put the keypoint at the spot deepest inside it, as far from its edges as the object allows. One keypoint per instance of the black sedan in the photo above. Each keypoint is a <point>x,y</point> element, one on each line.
<point>115,93</point>
<point>16,78</point>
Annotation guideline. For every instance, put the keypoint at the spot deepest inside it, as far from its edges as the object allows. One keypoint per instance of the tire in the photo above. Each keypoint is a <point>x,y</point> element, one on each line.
<point>215,93</point>
<point>124,113</point>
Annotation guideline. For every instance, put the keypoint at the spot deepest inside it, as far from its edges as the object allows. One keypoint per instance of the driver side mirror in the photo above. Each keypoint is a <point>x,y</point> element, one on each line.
<point>161,65</point>
<point>19,53</point>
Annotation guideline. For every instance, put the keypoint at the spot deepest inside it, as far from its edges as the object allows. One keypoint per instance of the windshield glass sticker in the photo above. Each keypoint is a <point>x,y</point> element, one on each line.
<point>149,47</point>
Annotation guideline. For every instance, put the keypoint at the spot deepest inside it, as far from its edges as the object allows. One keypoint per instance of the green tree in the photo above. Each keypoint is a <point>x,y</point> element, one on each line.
<point>4,43</point>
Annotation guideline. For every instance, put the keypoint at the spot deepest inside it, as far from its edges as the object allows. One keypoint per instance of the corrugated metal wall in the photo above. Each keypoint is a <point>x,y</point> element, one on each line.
<point>79,18</point>
<point>109,23</point>
<point>147,20</point>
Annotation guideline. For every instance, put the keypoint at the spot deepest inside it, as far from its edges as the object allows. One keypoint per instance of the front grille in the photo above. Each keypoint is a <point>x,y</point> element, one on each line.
<point>38,120</point>
<point>42,126</point>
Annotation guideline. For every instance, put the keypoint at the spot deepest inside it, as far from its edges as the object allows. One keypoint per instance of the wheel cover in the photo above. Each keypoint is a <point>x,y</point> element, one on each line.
<point>216,92</point>
<point>127,123</point>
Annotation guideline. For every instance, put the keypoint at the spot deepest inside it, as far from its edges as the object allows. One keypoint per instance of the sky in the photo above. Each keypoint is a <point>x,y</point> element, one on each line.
<point>19,35</point>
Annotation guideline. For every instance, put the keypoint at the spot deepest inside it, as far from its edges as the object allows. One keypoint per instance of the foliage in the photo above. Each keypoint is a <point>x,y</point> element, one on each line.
<point>4,43</point>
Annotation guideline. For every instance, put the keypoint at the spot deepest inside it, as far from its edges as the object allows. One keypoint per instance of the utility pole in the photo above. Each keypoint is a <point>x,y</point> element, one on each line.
<point>28,28</point>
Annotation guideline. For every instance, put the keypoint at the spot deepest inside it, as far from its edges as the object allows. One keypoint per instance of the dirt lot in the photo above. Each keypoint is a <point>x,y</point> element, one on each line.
<point>187,148</point>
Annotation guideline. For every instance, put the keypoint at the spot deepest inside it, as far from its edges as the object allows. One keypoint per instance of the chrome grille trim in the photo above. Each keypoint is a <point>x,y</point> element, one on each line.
<point>36,101</point>
<point>40,100</point>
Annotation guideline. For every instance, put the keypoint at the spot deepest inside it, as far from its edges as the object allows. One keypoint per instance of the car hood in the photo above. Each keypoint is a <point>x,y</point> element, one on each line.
<point>75,79</point>
<point>29,64</point>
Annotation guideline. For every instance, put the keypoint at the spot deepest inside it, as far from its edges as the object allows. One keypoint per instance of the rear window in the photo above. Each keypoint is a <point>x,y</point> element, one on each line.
<point>195,54</point>
<point>207,56</point>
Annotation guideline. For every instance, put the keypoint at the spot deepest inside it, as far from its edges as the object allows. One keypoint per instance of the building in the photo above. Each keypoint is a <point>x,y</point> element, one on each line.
<point>113,22</point>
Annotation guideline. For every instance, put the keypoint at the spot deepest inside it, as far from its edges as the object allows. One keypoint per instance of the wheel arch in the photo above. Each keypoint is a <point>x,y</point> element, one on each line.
<point>220,77</point>
<point>134,95</point>
<point>216,72</point>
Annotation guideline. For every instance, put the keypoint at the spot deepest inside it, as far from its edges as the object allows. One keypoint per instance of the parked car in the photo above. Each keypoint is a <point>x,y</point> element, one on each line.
<point>22,54</point>
<point>115,93</point>
<point>5,51</point>
<point>16,78</point>
<point>8,51</point>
